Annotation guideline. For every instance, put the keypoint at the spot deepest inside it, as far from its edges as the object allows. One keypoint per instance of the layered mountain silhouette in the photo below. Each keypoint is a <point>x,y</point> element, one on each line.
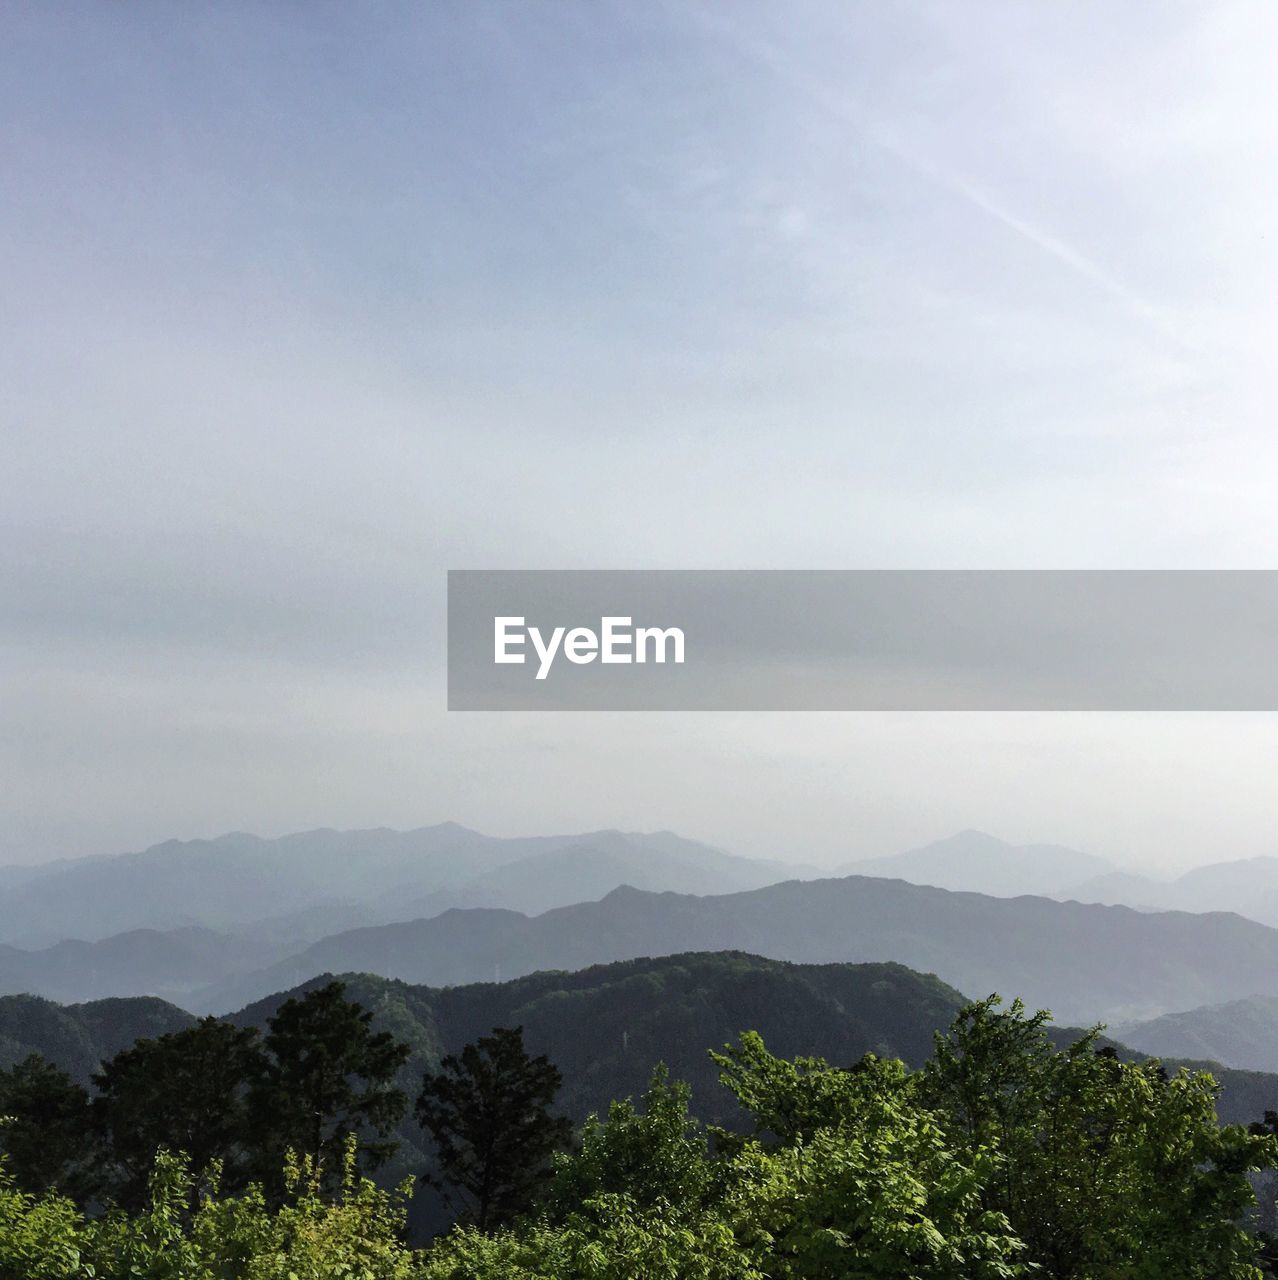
<point>175,964</point>
<point>981,863</point>
<point>227,921</point>
<point>1081,961</point>
<point>301,887</point>
<point>1248,886</point>
<point>1239,1033</point>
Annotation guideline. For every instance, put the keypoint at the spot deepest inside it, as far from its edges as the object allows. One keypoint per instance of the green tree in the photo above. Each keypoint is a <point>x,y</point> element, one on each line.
<point>353,1233</point>
<point>327,1075</point>
<point>1107,1169</point>
<point>186,1091</point>
<point>488,1111</point>
<point>656,1155</point>
<point>39,1235</point>
<point>854,1177</point>
<point>865,1187</point>
<point>47,1136</point>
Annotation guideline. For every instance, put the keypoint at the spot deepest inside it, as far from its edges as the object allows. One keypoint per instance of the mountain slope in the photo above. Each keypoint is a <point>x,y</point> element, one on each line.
<point>79,1037</point>
<point>1248,886</point>
<point>605,1026</point>
<point>590,867</point>
<point>1122,888</point>
<point>1081,961</point>
<point>1240,1033</point>
<point>173,964</point>
<point>981,863</point>
<point>608,1025</point>
<point>313,879</point>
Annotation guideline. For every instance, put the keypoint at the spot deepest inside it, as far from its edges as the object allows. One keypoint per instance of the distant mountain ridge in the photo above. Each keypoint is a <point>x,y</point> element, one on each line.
<point>975,862</point>
<point>312,883</point>
<point>1248,886</point>
<point>1240,1033</point>
<point>1081,961</point>
<point>173,964</point>
<point>448,904</point>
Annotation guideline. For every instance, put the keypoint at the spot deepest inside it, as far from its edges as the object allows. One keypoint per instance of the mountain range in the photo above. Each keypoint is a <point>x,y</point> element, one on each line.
<point>298,888</point>
<point>217,924</point>
<point>976,862</point>
<point>605,1026</point>
<point>1248,886</point>
<point>1240,1033</point>
<point>1079,960</point>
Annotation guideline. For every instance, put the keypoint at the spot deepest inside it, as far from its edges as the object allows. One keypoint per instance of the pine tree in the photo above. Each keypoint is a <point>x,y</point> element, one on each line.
<point>327,1075</point>
<point>46,1135</point>
<point>186,1091</point>
<point>488,1112</point>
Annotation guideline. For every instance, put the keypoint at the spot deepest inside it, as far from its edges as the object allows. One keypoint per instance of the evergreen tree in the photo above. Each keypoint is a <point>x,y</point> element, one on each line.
<point>46,1133</point>
<point>488,1112</point>
<point>327,1075</point>
<point>186,1091</point>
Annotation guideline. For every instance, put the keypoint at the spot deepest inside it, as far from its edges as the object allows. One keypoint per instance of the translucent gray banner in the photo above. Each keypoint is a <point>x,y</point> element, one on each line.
<point>931,640</point>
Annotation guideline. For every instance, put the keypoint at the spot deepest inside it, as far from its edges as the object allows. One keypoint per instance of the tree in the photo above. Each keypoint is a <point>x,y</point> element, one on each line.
<point>353,1232</point>
<point>1105,1167</point>
<point>39,1235</point>
<point>47,1134</point>
<point>852,1176</point>
<point>488,1112</point>
<point>865,1185</point>
<point>656,1155</point>
<point>186,1091</point>
<point>327,1075</point>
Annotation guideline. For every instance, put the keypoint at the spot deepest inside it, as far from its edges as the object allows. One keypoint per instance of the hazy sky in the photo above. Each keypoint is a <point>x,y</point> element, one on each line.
<point>304,304</point>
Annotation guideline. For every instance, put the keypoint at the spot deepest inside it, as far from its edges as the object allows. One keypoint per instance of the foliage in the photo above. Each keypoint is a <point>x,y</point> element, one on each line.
<point>1004,1157</point>
<point>188,1090</point>
<point>47,1137</point>
<point>488,1112</point>
<point>39,1236</point>
<point>354,1235</point>
<point>656,1157</point>
<point>327,1074</point>
<point>867,1190</point>
<point>1108,1169</point>
<point>861,1180</point>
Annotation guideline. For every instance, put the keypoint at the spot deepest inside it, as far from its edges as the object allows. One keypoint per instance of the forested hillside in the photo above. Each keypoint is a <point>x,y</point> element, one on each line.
<point>1009,1151</point>
<point>78,1037</point>
<point>606,1025</point>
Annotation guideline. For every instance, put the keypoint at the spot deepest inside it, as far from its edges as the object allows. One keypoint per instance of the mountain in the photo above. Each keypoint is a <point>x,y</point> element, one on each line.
<point>1248,886</point>
<point>173,964</point>
<point>79,1037</point>
<point>1121,888</point>
<point>591,866</point>
<point>1081,961</point>
<point>307,885</point>
<point>981,863</point>
<point>1240,1033</point>
<point>606,1026</point>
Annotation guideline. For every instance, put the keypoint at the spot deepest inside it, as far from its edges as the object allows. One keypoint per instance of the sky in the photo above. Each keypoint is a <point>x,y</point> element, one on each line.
<point>305,304</point>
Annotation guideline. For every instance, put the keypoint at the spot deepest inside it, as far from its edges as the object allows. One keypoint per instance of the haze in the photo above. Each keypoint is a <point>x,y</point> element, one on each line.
<point>305,305</point>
